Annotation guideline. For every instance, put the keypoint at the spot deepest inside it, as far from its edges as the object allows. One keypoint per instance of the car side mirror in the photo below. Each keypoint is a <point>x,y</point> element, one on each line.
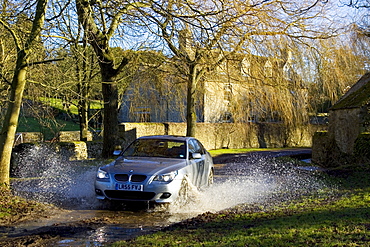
<point>117,152</point>
<point>196,155</point>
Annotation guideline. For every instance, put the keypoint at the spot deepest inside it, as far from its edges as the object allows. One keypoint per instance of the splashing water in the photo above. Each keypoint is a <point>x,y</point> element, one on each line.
<point>49,177</point>
<point>46,176</point>
<point>257,179</point>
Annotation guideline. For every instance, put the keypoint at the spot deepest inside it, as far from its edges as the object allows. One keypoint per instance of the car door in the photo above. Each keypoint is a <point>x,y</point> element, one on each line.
<point>205,165</point>
<point>198,163</point>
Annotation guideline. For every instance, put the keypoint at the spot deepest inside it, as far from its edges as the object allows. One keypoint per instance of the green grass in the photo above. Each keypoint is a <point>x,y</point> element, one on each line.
<point>14,208</point>
<point>58,104</point>
<point>217,152</point>
<point>339,219</point>
<point>50,127</point>
<point>31,124</point>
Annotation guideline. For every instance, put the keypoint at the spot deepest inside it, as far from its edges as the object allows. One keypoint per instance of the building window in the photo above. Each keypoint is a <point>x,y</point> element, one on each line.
<point>142,114</point>
<point>227,92</point>
<point>227,117</point>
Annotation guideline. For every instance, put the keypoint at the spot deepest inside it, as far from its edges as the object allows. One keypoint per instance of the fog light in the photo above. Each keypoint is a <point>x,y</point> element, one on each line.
<point>98,192</point>
<point>165,195</point>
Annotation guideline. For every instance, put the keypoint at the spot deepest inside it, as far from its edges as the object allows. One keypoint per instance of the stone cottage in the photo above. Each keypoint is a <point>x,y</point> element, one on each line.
<point>232,93</point>
<point>347,138</point>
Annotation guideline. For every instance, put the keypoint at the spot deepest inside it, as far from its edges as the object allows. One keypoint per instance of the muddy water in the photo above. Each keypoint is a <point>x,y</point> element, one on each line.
<point>246,179</point>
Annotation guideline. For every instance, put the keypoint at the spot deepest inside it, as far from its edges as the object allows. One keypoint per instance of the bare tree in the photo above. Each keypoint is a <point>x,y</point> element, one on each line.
<point>24,50</point>
<point>85,74</point>
<point>74,80</point>
<point>361,23</point>
<point>202,36</point>
<point>99,37</point>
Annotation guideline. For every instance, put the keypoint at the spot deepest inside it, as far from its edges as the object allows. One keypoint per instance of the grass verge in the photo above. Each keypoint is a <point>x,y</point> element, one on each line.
<point>14,209</point>
<point>218,152</point>
<point>30,124</point>
<point>59,104</point>
<point>341,218</point>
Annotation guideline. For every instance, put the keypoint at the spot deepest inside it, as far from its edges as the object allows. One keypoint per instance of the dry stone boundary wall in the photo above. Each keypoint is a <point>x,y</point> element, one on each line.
<point>212,135</point>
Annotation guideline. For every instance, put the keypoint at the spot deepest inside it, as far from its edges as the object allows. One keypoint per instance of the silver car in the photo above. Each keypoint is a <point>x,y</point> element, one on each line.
<point>158,169</point>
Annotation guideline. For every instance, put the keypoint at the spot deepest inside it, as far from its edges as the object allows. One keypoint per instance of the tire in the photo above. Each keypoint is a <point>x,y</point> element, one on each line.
<point>210,178</point>
<point>184,193</point>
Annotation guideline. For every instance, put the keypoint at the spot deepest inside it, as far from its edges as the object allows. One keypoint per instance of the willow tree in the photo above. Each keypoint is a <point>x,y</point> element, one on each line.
<point>202,35</point>
<point>362,23</point>
<point>24,51</point>
<point>336,65</point>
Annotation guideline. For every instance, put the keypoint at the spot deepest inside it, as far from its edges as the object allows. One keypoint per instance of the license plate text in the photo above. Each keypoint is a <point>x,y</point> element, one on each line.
<point>132,187</point>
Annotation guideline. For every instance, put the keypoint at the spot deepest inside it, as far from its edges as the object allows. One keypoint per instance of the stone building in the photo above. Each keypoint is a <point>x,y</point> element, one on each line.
<point>231,93</point>
<point>347,137</point>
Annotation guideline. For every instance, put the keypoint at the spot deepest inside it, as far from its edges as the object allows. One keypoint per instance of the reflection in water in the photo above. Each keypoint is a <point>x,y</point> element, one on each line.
<point>70,186</point>
<point>101,236</point>
<point>113,233</point>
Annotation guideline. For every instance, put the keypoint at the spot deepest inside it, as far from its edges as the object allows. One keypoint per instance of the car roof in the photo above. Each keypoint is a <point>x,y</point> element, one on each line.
<point>167,137</point>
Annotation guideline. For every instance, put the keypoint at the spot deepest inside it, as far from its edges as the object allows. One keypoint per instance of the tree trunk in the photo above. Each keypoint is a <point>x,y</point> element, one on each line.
<point>100,43</point>
<point>191,116</point>
<point>10,124</point>
<point>110,120</point>
<point>84,119</point>
<point>83,86</point>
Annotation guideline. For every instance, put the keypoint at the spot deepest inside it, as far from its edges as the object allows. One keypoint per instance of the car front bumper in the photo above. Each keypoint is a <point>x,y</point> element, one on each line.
<point>159,192</point>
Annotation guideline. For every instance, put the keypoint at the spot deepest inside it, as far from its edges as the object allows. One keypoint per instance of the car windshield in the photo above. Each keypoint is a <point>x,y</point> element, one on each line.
<point>157,148</point>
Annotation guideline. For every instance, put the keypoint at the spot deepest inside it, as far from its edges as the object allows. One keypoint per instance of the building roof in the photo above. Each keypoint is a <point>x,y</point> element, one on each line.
<point>357,96</point>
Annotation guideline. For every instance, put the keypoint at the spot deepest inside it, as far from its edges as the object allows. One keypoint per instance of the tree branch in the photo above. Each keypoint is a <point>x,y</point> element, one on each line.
<point>13,34</point>
<point>46,61</point>
<point>4,78</point>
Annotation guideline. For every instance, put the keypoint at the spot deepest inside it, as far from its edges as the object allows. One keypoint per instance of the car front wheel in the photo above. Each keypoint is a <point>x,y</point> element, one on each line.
<point>185,189</point>
<point>184,193</point>
<point>210,178</point>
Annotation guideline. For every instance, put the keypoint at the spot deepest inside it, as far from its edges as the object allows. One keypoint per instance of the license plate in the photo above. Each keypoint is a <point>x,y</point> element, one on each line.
<point>132,187</point>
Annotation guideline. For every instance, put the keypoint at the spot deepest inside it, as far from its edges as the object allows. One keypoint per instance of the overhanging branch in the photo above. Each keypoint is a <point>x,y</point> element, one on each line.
<point>4,78</point>
<point>45,61</point>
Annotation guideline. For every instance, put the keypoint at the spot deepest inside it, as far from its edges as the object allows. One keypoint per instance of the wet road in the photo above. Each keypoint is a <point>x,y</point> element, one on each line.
<point>244,178</point>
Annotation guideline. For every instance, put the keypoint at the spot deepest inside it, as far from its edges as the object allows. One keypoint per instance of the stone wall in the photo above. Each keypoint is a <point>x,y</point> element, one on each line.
<point>323,149</point>
<point>228,135</point>
<point>327,153</point>
<point>212,135</point>
<point>73,150</point>
<point>78,150</point>
<point>344,129</point>
<point>362,147</point>
<point>344,142</point>
<point>28,137</point>
<point>65,136</point>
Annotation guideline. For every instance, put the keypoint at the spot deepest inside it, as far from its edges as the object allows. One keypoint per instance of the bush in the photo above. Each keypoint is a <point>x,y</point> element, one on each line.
<point>362,148</point>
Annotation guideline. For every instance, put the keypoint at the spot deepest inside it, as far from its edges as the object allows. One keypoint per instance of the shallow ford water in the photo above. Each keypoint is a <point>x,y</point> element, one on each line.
<point>47,177</point>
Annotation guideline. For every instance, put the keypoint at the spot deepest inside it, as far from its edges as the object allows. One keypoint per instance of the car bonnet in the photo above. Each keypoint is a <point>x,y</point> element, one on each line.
<point>147,165</point>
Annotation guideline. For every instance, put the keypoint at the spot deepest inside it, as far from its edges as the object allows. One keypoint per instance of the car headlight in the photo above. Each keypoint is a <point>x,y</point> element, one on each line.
<point>167,177</point>
<point>102,175</point>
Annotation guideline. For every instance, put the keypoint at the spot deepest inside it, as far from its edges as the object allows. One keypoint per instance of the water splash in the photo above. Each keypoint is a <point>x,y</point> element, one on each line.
<point>46,176</point>
<point>256,179</point>
<point>49,177</point>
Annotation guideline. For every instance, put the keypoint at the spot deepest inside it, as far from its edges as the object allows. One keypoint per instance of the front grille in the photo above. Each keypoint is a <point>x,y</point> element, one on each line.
<point>121,177</point>
<point>129,195</point>
<point>132,178</point>
<point>138,178</point>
